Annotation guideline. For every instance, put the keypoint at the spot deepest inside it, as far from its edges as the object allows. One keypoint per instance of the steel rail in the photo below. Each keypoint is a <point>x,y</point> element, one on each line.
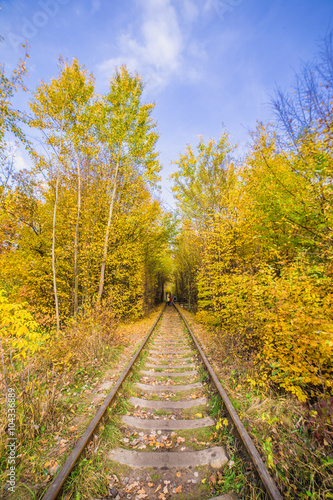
<point>256,459</point>
<point>56,485</point>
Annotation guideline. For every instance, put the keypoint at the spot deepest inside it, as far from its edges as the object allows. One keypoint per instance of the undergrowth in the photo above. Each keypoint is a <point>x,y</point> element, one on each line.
<point>293,438</point>
<point>50,394</point>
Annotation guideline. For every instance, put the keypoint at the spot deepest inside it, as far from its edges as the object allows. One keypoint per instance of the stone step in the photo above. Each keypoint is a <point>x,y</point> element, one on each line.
<point>168,388</point>
<point>215,457</point>
<point>168,374</point>
<point>170,367</point>
<point>167,405</point>
<point>167,425</point>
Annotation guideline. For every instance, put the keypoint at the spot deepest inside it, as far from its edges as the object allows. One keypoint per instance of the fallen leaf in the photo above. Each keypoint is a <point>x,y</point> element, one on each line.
<point>212,479</point>
<point>179,489</point>
<point>165,490</point>
<point>198,415</point>
<point>179,474</point>
<point>52,466</point>
<point>150,485</point>
<point>141,494</point>
<point>131,487</point>
<point>158,488</point>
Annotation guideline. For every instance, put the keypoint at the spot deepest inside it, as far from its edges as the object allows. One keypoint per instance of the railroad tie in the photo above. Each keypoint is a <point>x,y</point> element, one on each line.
<point>168,428</point>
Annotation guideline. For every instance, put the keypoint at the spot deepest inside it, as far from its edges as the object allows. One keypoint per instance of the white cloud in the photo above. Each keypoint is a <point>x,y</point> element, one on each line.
<point>190,10</point>
<point>157,52</point>
<point>20,162</point>
<point>95,6</point>
<point>18,156</point>
<point>209,4</point>
<point>162,36</point>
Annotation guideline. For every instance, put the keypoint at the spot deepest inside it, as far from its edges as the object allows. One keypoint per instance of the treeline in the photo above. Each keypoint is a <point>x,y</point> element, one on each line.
<point>85,223</point>
<point>255,252</point>
<point>84,239</point>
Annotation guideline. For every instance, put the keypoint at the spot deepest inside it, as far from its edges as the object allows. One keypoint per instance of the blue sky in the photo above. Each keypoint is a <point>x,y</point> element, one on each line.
<point>205,62</point>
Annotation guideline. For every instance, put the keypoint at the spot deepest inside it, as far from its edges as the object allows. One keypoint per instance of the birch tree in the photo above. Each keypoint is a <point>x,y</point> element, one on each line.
<point>63,111</point>
<point>128,131</point>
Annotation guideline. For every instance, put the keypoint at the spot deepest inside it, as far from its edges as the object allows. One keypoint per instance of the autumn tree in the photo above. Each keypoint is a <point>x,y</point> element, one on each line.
<point>63,112</point>
<point>77,193</point>
<point>201,184</point>
<point>127,129</point>
<point>10,120</point>
<point>264,277</point>
<point>200,179</point>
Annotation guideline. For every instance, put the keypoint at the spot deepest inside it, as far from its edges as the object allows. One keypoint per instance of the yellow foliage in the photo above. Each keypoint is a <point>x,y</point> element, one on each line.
<point>285,321</point>
<point>20,333</point>
<point>263,276</point>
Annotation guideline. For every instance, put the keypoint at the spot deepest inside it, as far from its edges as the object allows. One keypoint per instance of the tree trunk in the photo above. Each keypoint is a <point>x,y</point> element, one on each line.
<point>76,238</point>
<point>106,240</point>
<point>54,226</point>
<point>162,291</point>
<point>53,252</point>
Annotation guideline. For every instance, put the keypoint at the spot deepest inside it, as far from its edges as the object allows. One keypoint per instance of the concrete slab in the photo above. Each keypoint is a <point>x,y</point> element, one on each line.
<point>170,348</point>
<point>168,374</point>
<point>170,367</point>
<point>167,405</point>
<point>181,348</point>
<point>165,341</point>
<point>167,345</point>
<point>228,496</point>
<point>211,456</point>
<point>169,360</point>
<point>167,425</point>
<point>168,341</point>
<point>179,352</point>
<point>172,338</point>
<point>168,388</point>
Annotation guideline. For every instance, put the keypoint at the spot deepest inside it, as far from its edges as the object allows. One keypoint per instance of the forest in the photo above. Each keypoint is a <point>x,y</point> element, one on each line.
<point>86,242</point>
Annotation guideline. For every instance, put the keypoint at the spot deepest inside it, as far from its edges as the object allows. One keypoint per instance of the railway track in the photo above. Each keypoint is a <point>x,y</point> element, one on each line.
<point>167,446</point>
